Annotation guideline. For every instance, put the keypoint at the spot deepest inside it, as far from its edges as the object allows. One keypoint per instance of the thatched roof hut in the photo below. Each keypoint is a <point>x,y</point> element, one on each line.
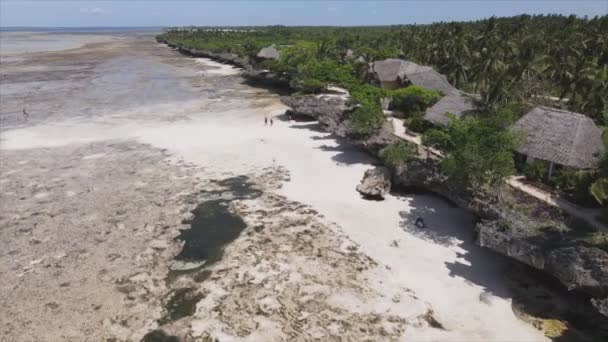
<point>454,103</point>
<point>560,137</point>
<point>270,52</point>
<point>399,72</point>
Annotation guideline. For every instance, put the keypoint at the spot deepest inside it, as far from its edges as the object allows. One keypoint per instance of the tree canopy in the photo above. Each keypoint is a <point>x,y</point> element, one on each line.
<point>505,60</point>
<point>478,150</point>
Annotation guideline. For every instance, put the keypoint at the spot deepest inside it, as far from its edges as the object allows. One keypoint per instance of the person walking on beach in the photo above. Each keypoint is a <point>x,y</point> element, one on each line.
<point>25,114</point>
<point>265,120</point>
<point>271,122</point>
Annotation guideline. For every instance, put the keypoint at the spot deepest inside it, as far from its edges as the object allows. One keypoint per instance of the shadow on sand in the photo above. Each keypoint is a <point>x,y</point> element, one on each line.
<point>453,227</point>
<point>348,155</point>
<point>313,126</point>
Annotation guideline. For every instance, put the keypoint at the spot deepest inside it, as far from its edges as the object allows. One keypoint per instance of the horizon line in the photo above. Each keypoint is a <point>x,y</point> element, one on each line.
<point>304,25</point>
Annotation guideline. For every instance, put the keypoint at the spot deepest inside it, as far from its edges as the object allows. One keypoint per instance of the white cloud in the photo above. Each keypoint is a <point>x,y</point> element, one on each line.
<point>93,11</point>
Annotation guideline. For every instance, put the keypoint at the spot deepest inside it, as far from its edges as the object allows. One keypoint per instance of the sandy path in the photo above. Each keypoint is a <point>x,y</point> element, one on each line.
<point>224,132</point>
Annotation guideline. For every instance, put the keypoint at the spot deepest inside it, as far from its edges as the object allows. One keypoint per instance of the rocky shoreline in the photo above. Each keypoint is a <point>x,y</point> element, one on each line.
<point>257,76</point>
<point>563,250</point>
<point>560,249</point>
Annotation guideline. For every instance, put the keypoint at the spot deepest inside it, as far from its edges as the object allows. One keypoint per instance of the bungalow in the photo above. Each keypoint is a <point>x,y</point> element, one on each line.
<point>270,52</point>
<point>559,137</point>
<point>394,73</point>
<point>454,103</point>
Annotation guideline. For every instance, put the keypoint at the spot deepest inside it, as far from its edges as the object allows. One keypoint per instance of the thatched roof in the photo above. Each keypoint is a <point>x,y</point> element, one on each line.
<point>455,103</point>
<point>431,79</point>
<point>270,52</point>
<point>398,70</point>
<point>561,137</point>
<point>389,70</point>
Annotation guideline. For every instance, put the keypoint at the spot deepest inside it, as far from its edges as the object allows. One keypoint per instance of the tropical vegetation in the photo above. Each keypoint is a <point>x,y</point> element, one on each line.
<point>397,153</point>
<point>504,60</point>
<point>478,150</point>
<point>505,63</point>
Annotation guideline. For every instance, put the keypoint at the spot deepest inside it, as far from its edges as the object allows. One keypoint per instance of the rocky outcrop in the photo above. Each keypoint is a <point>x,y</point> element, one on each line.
<point>376,183</point>
<point>317,106</point>
<point>552,247</point>
<point>425,174</point>
<point>375,142</point>
<point>228,58</point>
<point>266,78</point>
<point>250,73</point>
<point>332,111</point>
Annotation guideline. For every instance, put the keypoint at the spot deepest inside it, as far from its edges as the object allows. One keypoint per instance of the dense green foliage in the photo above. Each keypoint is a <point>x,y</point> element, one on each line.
<point>510,63</point>
<point>410,103</point>
<point>478,151</point>
<point>397,153</point>
<point>523,58</point>
<point>413,100</point>
<point>575,185</point>
<point>367,119</point>
<point>599,187</point>
<point>535,171</point>
<point>367,95</point>
<point>599,190</point>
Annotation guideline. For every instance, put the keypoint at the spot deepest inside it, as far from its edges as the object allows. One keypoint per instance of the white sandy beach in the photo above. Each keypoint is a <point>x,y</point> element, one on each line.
<point>461,282</point>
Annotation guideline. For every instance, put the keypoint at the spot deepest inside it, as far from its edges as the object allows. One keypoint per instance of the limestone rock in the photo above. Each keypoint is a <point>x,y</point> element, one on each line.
<point>550,249</point>
<point>376,183</point>
<point>267,78</point>
<point>580,267</point>
<point>313,107</point>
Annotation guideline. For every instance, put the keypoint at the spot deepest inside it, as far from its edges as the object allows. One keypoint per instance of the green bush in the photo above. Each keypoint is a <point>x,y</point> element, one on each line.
<point>437,138</point>
<point>314,75</point>
<point>367,119</point>
<point>478,151</point>
<point>413,100</point>
<point>418,124</point>
<point>575,185</point>
<point>308,85</point>
<point>397,153</point>
<point>367,95</point>
<point>535,171</point>
<point>599,190</point>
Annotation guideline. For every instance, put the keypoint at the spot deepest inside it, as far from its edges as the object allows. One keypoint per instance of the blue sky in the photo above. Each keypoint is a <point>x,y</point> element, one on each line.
<point>258,12</point>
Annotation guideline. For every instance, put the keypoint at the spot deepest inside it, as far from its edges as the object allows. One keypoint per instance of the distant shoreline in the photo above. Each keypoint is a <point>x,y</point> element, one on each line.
<point>82,29</point>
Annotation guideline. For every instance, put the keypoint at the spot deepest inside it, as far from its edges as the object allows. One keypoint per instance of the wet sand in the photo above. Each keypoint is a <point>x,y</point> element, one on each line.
<point>125,137</point>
